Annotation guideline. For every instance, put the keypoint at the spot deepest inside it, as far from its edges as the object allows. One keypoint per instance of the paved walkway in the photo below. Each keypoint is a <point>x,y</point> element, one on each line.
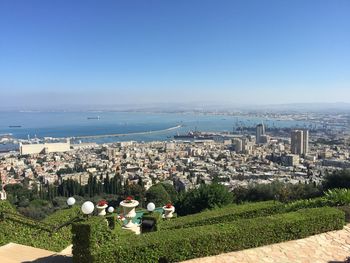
<point>15,253</point>
<point>330,247</point>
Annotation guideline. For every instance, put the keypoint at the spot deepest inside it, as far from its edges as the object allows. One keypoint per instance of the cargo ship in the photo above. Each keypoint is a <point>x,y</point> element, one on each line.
<point>93,118</point>
<point>194,135</point>
<point>15,126</point>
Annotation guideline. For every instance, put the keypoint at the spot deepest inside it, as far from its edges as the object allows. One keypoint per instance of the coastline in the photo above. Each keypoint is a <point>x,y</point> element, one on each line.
<point>125,134</point>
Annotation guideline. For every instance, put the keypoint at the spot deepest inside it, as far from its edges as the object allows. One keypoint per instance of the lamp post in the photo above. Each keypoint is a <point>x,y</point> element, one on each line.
<point>70,201</point>
<point>150,207</point>
<point>110,209</point>
<point>87,208</point>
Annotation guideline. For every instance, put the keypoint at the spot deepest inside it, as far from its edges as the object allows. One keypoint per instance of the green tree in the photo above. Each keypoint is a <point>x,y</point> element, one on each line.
<point>205,197</point>
<point>337,179</point>
<point>157,195</point>
<point>171,191</point>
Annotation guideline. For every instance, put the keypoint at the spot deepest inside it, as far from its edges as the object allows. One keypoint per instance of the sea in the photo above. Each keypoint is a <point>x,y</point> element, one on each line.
<point>136,126</point>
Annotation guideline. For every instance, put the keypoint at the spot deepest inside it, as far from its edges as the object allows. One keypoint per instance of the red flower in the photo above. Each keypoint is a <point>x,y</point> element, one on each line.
<point>128,199</point>
<point>169,205</point>
<point>102,203</point>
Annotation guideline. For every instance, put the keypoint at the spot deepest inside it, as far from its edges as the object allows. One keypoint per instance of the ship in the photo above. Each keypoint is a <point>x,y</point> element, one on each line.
<point>193,135</point>
<point>93,118</point>
<point>15,126</point>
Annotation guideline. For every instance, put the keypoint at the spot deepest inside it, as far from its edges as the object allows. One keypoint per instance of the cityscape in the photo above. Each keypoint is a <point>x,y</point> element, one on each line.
<point>184,131</point>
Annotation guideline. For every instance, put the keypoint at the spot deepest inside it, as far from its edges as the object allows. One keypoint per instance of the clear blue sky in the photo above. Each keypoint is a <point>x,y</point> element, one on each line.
<point>147,51</point>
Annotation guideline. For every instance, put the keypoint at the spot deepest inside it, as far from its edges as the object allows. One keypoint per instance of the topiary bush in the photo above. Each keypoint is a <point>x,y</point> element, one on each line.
<point>153,217</point>
<point>90,236</point>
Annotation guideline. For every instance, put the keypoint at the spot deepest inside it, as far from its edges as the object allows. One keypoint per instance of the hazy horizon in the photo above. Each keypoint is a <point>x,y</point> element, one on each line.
<point>237,53</point>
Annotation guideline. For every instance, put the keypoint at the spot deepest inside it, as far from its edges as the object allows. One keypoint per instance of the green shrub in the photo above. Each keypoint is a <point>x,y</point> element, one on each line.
<point>186,243</point>
<point>346,210</point>
<point>337,197</point>
<point>7,207</point>
<point>157,194</point>
<point>338,179</point>
<point>226,214</point>
<point>306,203</point>
<point>152,216</point>
<point>89,236</point>
<point>205,197</point>
<point>19,229</point>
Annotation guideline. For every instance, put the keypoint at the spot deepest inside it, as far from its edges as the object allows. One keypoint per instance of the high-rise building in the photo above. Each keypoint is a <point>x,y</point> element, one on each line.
<point>238,145</point>
<point>260,132</point>
<point>300,142</point>
<point>111,153</point>
<point>305,141</point>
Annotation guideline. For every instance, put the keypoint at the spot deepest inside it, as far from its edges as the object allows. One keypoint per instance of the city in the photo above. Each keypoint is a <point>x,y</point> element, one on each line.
<point>174,131</point>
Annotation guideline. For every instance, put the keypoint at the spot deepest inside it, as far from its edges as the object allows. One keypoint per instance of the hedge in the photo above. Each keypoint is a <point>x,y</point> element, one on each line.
<point>346,210</point>
<point>226,214</point>
<point>19,229</point>
<point>175,245</point>
<point>152,216</point>
<point>90,235</point>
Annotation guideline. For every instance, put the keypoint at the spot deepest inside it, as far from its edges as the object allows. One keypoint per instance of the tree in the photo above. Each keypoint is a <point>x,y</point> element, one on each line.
<point>205,197</point>
<point>171,191</point>
<point>338,179</point>
<point>157,195</point>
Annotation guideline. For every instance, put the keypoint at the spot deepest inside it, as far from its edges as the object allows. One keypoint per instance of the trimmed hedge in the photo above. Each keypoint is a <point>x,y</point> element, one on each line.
<point>94,242</point>
<point>182,244</point>
<point>152,216</point>
<point>90,235</point>
<point>19,229</point>
<point>226,214</point>
<point>346,210</point>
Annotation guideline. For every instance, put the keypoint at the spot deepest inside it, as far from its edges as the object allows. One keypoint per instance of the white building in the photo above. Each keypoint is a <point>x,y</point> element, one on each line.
<point>44,148</point>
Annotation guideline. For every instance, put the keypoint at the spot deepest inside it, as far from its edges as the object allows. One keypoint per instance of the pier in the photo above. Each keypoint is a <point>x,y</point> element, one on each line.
<point>125,134</point>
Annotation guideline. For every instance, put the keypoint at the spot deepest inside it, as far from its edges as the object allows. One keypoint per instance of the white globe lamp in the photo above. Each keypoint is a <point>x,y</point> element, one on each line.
<point>87,208</point>
<point>111,209</point>
<point>151,207</point>
<point>70,201</point>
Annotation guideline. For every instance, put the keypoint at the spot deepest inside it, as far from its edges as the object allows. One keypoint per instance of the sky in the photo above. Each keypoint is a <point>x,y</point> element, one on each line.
<point>64,52</point>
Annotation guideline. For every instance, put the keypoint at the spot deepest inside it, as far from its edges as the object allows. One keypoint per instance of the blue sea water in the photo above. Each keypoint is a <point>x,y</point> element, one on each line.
<point>73,124</point>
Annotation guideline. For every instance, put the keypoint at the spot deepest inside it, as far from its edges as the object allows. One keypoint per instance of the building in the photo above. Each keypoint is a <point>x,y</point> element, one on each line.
<point>111,153</point>
<point>247,146</point>
<point>290,160</point>
<point>260,131</point>
<point>237,145</point>
<point>300,142</point>
<point>306,141</point>
<point>170,146</point>
<point>44,148</point>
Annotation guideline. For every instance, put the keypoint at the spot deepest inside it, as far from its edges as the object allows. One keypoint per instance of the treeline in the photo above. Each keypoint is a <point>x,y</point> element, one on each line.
<point>192,201</point>
<point>93,187</point>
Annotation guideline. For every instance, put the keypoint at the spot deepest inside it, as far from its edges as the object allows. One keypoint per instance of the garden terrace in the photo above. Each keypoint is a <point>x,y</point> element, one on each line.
<point>19,229</point>
<point>225,214</point>
<point>93,241</point>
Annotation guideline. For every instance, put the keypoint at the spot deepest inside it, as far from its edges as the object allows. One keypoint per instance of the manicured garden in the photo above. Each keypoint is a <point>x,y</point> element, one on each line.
<point>18,229</point>
<point>93,241</point>
<point>211,224</point>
